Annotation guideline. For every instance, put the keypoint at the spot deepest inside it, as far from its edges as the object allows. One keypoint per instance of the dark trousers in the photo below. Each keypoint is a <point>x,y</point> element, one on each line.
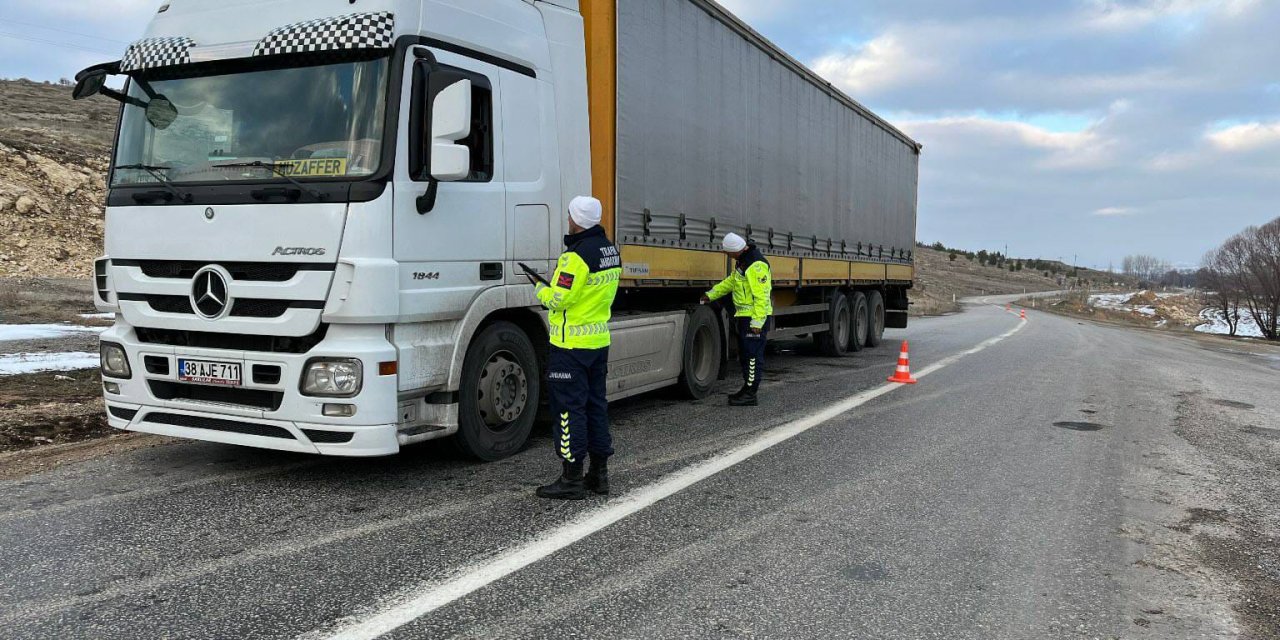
<point>751,353</point>
<point>576,378</point>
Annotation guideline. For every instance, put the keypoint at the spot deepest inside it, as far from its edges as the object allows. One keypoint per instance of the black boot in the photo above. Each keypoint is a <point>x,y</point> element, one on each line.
<point>741,392</point>
<point>597,480</point>
<point>747,399</point>
<point>569,487</point>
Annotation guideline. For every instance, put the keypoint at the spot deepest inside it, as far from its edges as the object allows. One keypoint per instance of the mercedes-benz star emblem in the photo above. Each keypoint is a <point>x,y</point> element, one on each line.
<point>209,294</point>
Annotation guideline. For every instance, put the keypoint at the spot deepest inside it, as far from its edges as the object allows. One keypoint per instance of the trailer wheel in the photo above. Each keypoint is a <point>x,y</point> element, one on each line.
<point>861,321</point>
<point>834,343</point>
<point>702,354</point>
<point>875,326</point>
<point>501,387</point>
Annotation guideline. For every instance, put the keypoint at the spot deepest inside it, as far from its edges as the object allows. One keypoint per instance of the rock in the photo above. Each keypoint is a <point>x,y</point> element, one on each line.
<point>64,378</point>
<point>60,254</point>
<point>23,244</point>
<point>24,204</point>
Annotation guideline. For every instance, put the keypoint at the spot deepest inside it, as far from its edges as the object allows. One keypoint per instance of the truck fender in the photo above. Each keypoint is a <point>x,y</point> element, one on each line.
<point>488,303</point>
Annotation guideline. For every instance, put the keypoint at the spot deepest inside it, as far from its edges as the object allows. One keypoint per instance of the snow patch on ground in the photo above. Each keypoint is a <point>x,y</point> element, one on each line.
<point>1216,323</point>
<point>1119,302</point>
<point>20,363</point>
<point>15,332</point>
<point>98,316</point>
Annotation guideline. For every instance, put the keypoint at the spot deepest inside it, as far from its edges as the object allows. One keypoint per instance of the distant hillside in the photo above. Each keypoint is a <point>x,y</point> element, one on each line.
<point>53,157</point>
<point>940,280</point>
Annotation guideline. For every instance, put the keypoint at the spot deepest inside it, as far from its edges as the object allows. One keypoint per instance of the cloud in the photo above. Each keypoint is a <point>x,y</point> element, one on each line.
<point>880,64</point>
<point>1044,149</point>
<point>1246,137</point>
<point>1115,211</point>
<point>1125,15</point>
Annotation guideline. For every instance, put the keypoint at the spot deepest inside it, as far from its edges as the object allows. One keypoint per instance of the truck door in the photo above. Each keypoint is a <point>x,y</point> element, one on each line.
<point>449,252</point>
<point>532,172</point>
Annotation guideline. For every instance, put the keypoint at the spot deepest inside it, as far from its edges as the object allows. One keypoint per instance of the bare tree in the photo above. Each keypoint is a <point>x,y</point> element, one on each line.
<point>1248,266</point>
<point>1265,264</point>
<point>1149,269</point>
<point>1219,293</point>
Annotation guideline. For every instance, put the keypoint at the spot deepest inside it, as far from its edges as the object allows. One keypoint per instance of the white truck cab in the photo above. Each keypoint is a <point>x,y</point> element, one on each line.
<point>314,207</point>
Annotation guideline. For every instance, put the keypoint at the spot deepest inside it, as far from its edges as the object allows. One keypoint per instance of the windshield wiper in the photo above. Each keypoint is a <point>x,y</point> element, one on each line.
<point>160,177</point>
<point>258,164</point>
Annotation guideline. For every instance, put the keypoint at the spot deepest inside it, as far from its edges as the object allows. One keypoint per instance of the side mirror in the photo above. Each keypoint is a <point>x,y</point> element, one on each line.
<point>450,100</point>
<point>89,83</point>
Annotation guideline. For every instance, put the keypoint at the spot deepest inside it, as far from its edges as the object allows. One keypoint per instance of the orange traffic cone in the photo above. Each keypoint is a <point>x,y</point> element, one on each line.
<point>1024,314</point>
<point>903,375</point>
<point>1008,308</point>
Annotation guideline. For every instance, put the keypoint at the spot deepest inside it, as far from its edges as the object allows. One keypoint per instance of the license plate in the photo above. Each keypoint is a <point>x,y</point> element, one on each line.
<point>207,372</point>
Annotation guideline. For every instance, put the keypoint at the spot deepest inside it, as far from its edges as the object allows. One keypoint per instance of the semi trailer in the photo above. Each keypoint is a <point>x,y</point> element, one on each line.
<point>315,217</point>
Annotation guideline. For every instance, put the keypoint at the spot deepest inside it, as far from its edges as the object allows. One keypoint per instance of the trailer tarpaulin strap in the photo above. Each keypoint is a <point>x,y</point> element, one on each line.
<point>157,52</point>
<point>354,31</point>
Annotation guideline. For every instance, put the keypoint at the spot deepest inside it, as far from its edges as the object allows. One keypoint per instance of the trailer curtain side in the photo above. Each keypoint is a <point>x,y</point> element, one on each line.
<point>707,120</point>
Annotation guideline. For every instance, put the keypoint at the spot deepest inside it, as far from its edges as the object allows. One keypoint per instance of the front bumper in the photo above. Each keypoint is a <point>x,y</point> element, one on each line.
<point>269,414</point>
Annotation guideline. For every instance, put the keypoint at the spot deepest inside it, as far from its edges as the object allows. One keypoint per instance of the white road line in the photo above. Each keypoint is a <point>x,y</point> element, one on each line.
<point>420,601</point>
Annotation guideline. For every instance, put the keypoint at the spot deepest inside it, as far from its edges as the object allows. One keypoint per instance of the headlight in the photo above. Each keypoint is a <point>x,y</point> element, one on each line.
<point>332,378</point>
<point>115,362</point>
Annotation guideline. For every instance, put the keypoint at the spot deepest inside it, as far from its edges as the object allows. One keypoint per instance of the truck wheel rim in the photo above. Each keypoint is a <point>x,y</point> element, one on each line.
<point>503,390</point>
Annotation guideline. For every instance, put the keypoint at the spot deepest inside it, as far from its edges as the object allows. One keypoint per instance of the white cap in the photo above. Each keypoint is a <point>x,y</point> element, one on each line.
<point>586,211</point>
<point>734,243</point>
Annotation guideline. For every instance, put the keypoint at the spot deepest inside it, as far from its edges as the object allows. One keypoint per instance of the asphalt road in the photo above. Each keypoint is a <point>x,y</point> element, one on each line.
<point>1052,485</point>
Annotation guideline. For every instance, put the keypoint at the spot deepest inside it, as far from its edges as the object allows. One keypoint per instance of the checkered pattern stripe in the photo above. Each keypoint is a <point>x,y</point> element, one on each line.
<point>157,52</point>
<point>354,31</point>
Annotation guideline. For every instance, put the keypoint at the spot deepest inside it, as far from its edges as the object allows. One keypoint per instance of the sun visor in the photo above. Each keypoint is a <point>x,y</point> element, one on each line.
<point>352,32</point>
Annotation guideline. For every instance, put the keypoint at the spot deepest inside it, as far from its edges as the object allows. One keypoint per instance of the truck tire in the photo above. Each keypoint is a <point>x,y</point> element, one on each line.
<point>875,324</point>
<point>861,322</point>
<point>702,354</point>
<point>834,343</point>
<point>500,392</point>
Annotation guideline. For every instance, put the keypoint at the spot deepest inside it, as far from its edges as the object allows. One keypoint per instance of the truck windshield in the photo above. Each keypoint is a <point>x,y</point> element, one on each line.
<point>311,123</point>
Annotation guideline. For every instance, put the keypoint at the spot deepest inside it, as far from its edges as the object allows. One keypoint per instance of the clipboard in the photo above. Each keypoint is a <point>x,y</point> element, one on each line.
<point>532,275</point>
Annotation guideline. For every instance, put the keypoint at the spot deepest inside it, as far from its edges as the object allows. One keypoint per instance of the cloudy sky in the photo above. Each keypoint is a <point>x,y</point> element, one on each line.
<point>1058,127</point>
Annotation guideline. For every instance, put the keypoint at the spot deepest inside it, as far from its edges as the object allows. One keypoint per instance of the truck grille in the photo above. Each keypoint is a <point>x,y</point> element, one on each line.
<point>232,341</point>
<point>213,424</point>
<point>252,398</point>
<point>241,309</point>
<point>242,271</point>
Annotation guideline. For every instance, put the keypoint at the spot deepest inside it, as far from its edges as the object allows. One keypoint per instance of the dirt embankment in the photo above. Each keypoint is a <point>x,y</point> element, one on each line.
<point>940,281</point>
<point>53,159</point>
<point>1174,311</point>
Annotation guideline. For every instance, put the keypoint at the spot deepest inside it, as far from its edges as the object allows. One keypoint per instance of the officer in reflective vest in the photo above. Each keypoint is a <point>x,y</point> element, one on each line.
<point>579,300</point>
<point>751,284</point>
